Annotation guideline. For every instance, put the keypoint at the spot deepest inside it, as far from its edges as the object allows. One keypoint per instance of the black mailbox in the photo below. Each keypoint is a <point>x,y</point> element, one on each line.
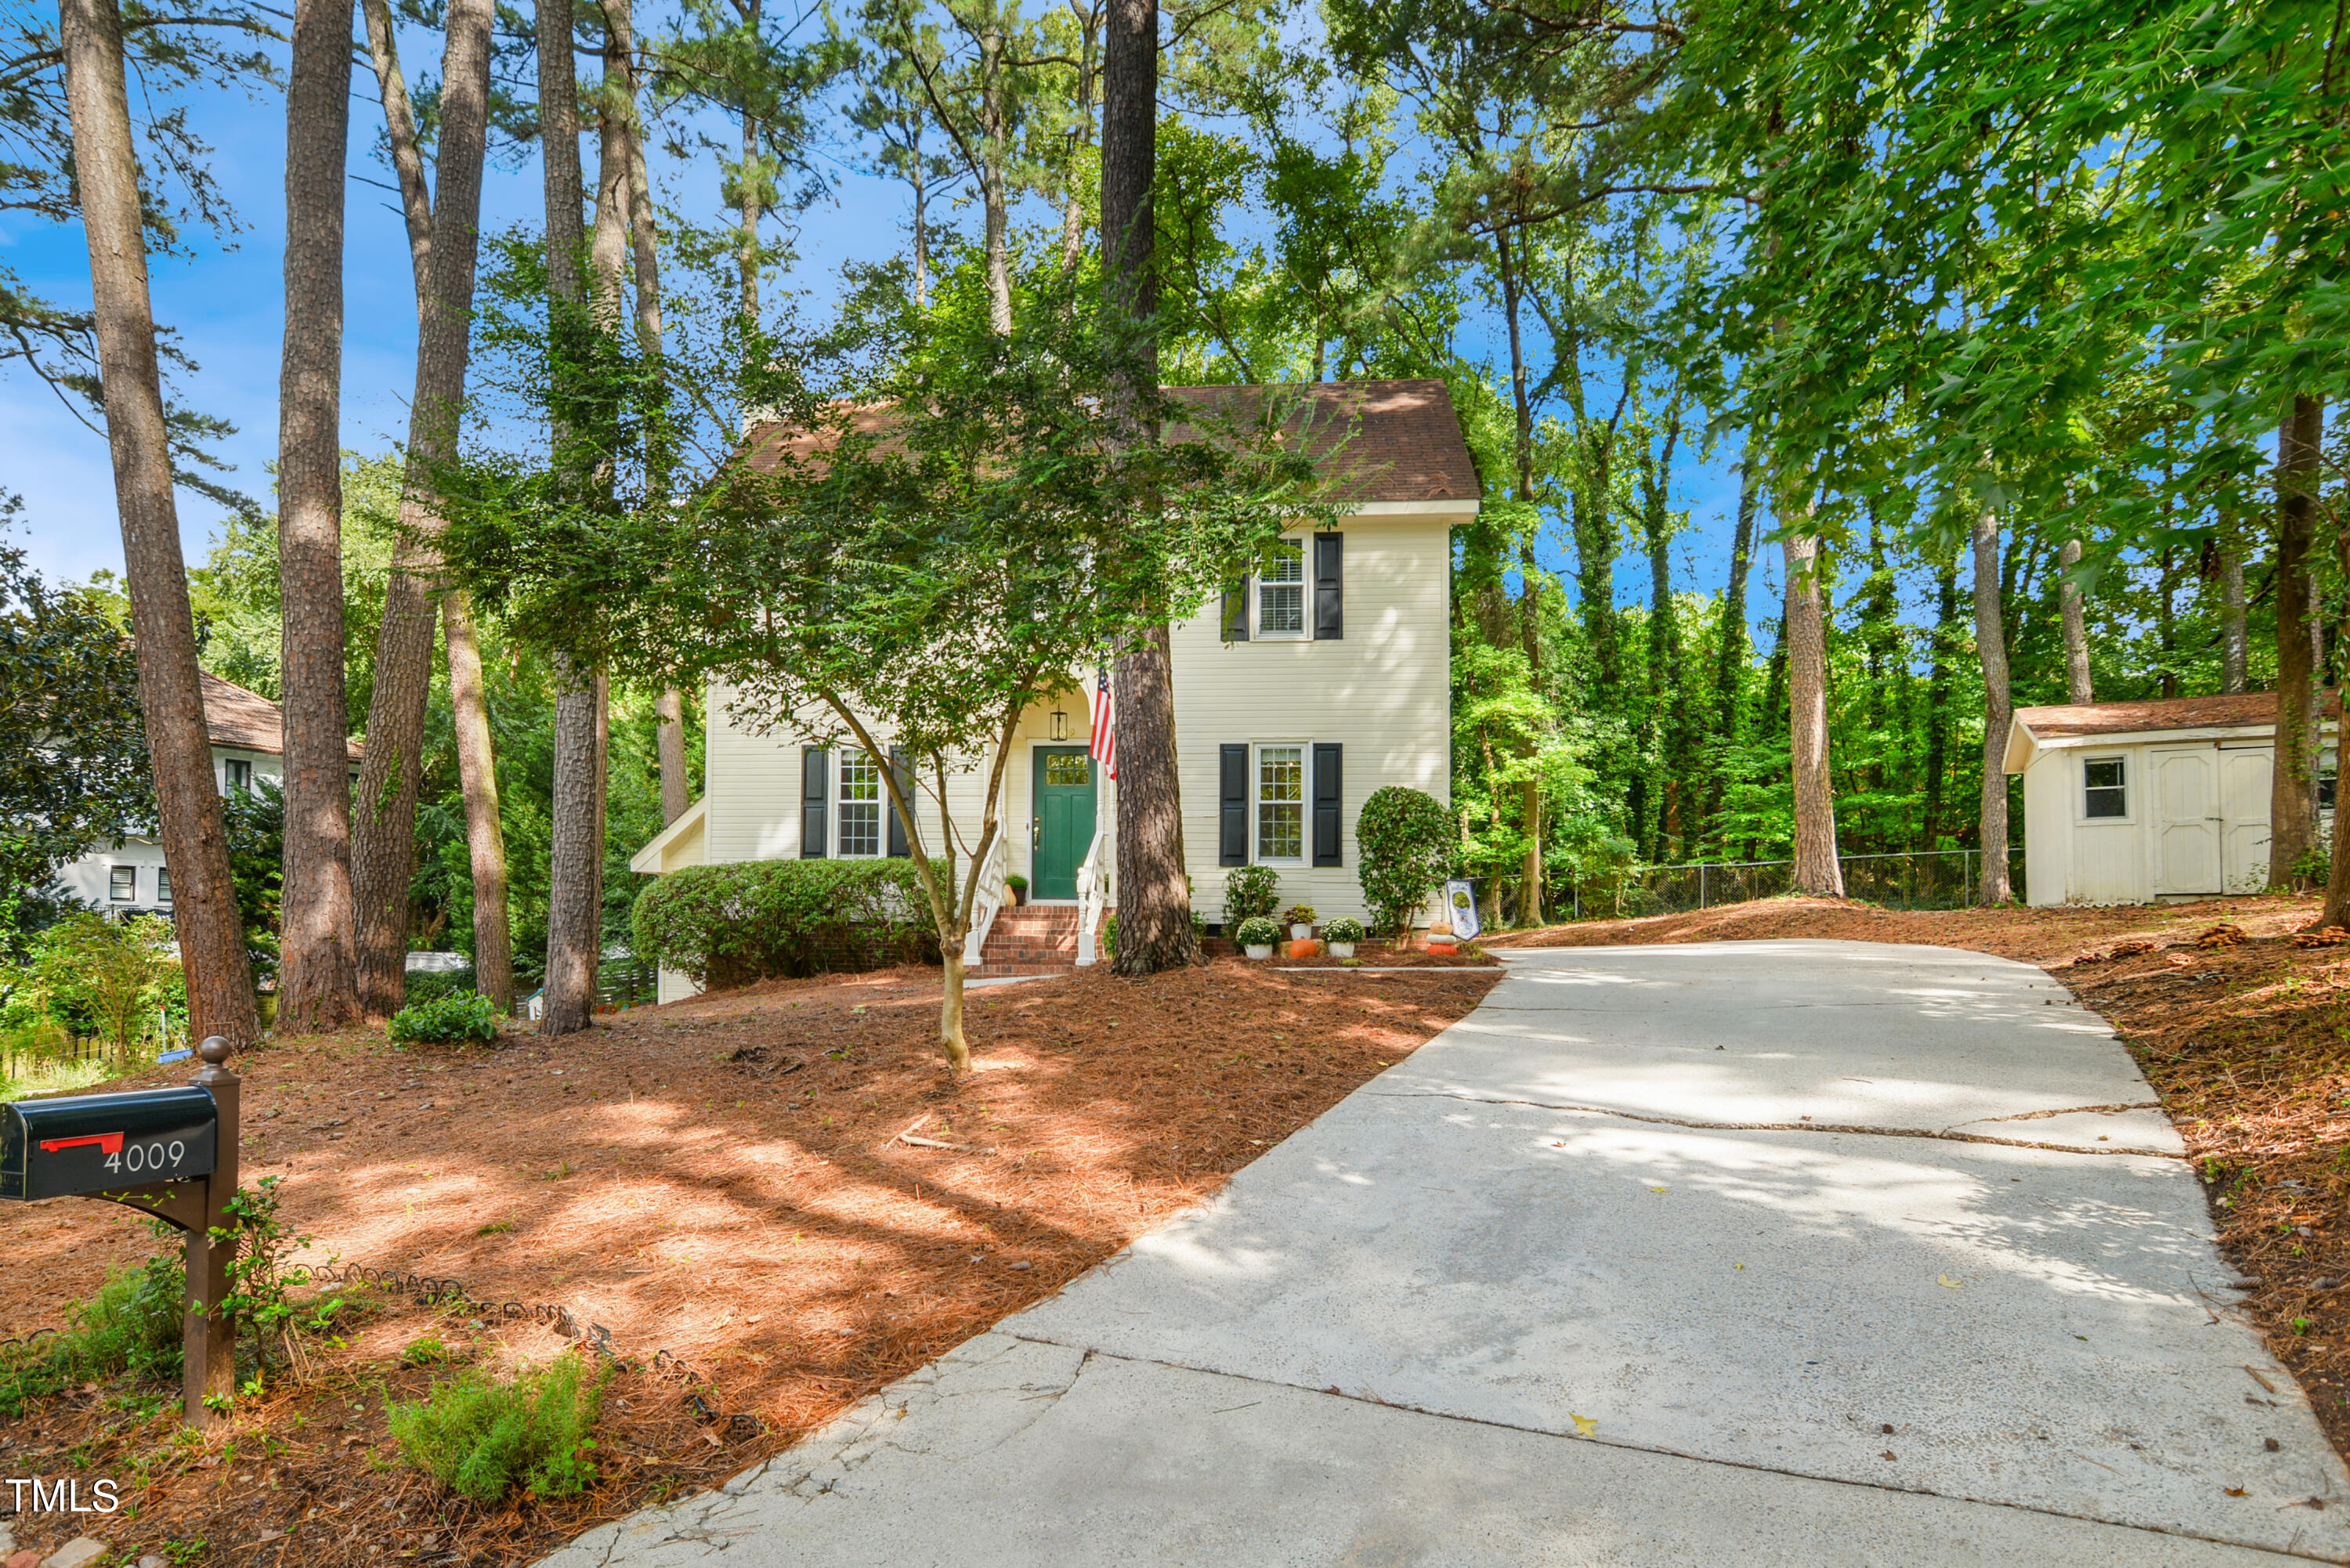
<point>104,1143</point>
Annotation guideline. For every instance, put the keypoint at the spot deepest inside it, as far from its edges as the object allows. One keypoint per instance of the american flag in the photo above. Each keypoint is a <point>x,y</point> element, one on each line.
<point>1105,746</point>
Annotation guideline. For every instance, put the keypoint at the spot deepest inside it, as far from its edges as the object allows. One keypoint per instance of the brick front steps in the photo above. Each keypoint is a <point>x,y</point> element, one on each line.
<point>1033,938</point>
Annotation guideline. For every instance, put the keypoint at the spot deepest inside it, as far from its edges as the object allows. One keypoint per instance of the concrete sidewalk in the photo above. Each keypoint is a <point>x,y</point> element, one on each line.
<point>1800,1252</point>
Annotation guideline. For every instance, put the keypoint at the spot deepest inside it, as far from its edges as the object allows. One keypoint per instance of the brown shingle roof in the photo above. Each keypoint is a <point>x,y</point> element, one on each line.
<point>1380,441</point>
<point>246,719</point>
<point>2239,710</point>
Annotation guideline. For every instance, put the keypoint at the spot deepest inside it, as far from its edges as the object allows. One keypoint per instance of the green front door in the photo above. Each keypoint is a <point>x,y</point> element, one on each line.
<point>1064,828</point>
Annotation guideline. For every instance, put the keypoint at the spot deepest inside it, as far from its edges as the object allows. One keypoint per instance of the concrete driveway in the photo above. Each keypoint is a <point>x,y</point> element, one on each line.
<point>1796,1252</point>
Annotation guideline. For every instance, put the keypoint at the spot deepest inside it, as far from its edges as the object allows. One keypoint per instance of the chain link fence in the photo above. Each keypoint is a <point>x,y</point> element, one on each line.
<point>1922,880</point>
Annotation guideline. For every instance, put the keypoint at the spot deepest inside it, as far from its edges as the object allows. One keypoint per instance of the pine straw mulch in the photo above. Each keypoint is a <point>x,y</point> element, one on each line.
<point>721,1180</point>
<point>2239,1016</point>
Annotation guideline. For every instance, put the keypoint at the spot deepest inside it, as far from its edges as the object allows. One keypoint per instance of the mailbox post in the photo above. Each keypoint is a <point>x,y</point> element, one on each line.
<point>170,1153</point>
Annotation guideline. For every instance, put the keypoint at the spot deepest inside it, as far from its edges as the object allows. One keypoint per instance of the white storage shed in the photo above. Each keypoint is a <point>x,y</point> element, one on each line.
<point>2125,803</point>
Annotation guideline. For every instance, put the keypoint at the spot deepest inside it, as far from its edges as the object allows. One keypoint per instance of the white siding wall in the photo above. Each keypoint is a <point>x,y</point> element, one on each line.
<point>1383,692</point>
<point>92,879</point>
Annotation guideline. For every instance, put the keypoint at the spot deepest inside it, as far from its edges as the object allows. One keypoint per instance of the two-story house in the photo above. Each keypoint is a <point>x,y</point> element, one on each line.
<point>248,737</point>
<point>1304,690</point>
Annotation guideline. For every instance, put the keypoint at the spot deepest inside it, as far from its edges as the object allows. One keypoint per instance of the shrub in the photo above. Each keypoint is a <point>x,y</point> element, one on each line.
<point>109,975</point>
<point>484,1437</point>
<point>1251,890</point>
<point>1345,928</point>
<point>447,1020</point>
<point>730,925</point>
<point>1298,915</point>
<point>1404,847</point>
<point>431,985</point>
<point>133,1325</point>
<point>1257,931</point>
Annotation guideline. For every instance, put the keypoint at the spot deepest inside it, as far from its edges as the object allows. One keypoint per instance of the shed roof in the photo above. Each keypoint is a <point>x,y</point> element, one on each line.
<point>246,719</point>
<point>2234,711</point>
<point>1375,441</point>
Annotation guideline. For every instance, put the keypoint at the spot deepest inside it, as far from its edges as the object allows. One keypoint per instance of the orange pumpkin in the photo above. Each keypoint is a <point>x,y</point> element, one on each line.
<point>1308,947</point>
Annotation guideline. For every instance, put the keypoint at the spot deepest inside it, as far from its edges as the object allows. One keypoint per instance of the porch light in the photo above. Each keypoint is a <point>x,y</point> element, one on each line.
<point>1060,725</point>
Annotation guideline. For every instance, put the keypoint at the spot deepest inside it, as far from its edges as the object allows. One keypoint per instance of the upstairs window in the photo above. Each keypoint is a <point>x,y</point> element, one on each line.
<point>1281,802</point>
<point>240,775</point>
<point>2326,787</point>
<point>162,884</point>
<point>860,804</point>
<point>2105,792</point>
<point>1281,593</point>
<point>122,883</point>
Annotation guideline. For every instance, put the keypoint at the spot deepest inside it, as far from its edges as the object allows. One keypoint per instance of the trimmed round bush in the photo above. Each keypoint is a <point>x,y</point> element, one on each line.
<point>1257,931</point>
<point>732,924</point>
<point>1249,891</point>
<point>1403,843</point>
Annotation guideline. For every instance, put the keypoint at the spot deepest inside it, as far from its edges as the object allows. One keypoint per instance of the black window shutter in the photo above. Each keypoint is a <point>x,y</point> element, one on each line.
<point>1330,585</point>
<point>1325,805</point>
<point>815,776</point>
<point>1232,818</point>
<point>901,847</point>
<point>1236,611</point>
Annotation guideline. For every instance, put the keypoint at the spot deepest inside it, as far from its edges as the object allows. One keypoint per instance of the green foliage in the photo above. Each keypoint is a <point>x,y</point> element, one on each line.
<point>1109,938</point>
<point>1251,890</point>
<point>256,822</point>
<point>73,747</point>
<point>114,978</point>
<point>734,924</point>
<point>431,985</point>
<point>486,1438</point>
<point>132,1325</point>
<point>447,1019</point>
<point>259,1305</point>
<point>1256,931</point>
<point>1345,928</point>
<point>1298,915</point>
<point>1404,842</point>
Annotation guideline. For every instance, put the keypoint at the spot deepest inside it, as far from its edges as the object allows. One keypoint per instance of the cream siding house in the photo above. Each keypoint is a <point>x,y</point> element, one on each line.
<point>2128,801</point>
<point>1296,696</point>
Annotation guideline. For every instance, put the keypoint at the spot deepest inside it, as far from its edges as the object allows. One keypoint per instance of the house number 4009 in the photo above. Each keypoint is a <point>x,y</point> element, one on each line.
<point>147,1156</point>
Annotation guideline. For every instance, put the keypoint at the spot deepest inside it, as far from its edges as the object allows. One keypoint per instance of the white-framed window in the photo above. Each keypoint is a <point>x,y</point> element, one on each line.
<point>860,804</point>
<point>236,775</point>
<point>1281,802</point>
<point>162,884</point>
<point>122,883</point>
<point>2105,789</point>
<point>1281,593</point>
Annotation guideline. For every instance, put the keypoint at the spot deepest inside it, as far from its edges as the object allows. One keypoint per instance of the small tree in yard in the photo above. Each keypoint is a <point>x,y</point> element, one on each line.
<point>113,974</point>
<point>1404,847</point>
<point>907,559</point>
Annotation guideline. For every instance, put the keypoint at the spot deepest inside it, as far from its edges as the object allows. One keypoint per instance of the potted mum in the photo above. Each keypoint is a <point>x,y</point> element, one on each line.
<point>1256,936</point>
<point>1342,934</point>
<point>1301,921</point>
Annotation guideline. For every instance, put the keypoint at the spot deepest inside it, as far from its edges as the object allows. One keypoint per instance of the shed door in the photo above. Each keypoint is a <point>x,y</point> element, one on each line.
<point>2186,819</point>
<point>2244,776</point>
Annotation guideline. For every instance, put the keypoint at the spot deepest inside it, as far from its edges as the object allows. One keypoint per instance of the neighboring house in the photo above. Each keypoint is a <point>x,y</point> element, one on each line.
<point>249,736</point>
<point>1298,695</point>
<point>2128,801</point>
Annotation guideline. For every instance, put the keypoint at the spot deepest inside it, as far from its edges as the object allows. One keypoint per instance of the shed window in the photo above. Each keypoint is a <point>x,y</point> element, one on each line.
<point>2107,788</point>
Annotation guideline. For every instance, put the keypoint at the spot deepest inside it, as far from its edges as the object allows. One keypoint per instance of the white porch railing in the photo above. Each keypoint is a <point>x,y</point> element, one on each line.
<point>994,864</point>
<point>1093,894</point>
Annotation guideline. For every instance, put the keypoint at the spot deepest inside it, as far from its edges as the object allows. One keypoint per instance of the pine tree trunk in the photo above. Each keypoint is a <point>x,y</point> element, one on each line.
<point>485,838</point>
<point>2078,686</point>
<point>1816,870</point>
<point>170,696</point>
<point>1991,645</point>
<point>668,720</point>
<point>2292,825</point>
<point>1731,654</point>
<point>1154,900</point>
<point>754,186</point>
<point>1938,700</point>
<point>383,855</point>
<point>2235,643</point>
<point>669,708</point>
<point>993,191</point>
<point>2338,882</point>
<point>318,975</point>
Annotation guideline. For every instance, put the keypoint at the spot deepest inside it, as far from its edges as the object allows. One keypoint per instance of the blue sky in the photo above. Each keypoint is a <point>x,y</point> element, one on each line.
<point>225,300</point>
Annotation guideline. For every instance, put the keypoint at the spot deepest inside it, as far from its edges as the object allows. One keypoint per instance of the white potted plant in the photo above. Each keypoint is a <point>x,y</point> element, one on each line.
<point>1301,921</point>
<point>1342,934</point>
<point>1256,936</point>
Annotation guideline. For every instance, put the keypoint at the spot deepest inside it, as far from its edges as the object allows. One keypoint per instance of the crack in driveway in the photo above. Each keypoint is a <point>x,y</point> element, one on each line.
<point>1946,1135</point>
